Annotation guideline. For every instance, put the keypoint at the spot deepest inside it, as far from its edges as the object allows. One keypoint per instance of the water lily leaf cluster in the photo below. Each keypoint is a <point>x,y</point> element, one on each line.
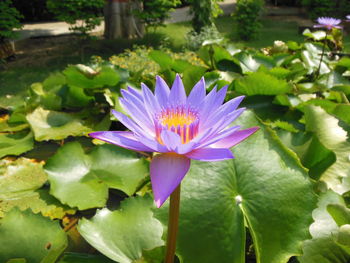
<point>66,198</point>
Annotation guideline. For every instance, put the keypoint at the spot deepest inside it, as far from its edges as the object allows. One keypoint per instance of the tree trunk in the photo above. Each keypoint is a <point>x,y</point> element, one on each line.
<point>120,21</point>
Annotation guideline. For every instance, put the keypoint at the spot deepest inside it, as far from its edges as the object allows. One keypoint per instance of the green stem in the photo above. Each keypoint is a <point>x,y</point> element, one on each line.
<point>323,48</point>
<point>174,211</point>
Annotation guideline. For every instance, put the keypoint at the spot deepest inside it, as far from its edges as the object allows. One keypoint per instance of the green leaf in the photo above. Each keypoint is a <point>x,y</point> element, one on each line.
<point>71,171</point>
<point>76,97</point>
<point>54,125</point>
<point>83,258</point>
<point>29,236</point>
<point>17,260</point>
<point>15,144</point>
<point>88,78</point>
<point>259,83</point>
<point>19,182</point>
<point>343,237</point>
<point>162,58</point>
<point>122,235</point>
<point>334,138</point>
<point>68,172</point>
<point>191,76</point>
<point>264,186</point>
<point>20,175</point>
<point>323,248</point>
<point>39,201</point>
<point>118,168</point>
<point>340,214</point>
<point>7,126</point>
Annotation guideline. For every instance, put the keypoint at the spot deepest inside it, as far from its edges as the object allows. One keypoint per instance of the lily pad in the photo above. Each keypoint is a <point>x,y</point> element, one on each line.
<point>30,236</point>
<point>15,143</point>
<point>322,248</point>
<point>54,125</point>
<point>72,171</point>
<point>124,234</point>
<point>259,83</point>
<point>334,138</point>
<point>264,188</point>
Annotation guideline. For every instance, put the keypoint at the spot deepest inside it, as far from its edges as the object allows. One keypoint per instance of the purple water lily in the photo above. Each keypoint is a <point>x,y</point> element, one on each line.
<point>178,128</point>
<point>328,22</point>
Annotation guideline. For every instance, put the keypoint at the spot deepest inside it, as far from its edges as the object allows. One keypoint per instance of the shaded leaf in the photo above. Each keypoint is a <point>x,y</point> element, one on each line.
<point>15,143</point>
<point>38,236</point>
<point>323,248</point>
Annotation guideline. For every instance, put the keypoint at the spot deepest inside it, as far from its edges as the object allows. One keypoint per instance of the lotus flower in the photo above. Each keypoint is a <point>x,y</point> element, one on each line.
<point>177,128</point>
<point>328,22</point>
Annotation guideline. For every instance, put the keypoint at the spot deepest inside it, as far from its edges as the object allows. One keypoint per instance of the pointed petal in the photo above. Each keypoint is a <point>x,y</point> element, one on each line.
<point>223,111</point>
<point>197,93</point>
<point>135,92</point>
<point>152,143</point>
<point>167,171</point>
<point>235,138</point>
<point>210,154</point>
<point>141,118</point>
<point>123,139</point>
<point>217,137</point>
<point>162,91</point>
<point>185,148</point>
<point>177,93</point>
<point>150,101</point>
<point>227,120</point>
<point>137,101</point>
<point>130,124</point>
<point>170,139</point>
<point>208,105</point>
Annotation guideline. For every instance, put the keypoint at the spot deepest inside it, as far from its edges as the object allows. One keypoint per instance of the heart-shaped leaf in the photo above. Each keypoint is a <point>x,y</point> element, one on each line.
<point>265,186</point>
<point>72,171</point>
<point>122,235</point>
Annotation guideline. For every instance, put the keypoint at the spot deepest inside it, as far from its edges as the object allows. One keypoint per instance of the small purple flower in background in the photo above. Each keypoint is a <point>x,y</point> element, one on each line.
<point>178,127</point>
<point>347,18</point>
<point>328,22</point>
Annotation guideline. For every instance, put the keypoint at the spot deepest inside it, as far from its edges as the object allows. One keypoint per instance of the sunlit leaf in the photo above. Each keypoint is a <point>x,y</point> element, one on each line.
<point>122,235</point>
<point>265,186</point>
<point>15,143</point>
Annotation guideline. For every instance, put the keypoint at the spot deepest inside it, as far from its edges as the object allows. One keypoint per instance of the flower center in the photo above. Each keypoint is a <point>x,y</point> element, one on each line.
<point>181,120</point>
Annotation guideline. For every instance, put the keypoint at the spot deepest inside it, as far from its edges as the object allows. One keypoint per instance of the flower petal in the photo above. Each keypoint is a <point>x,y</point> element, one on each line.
<point>210,154</point>
<point>223,111</point>
<point>121,138</point>
<point>170,139</point>
<point>235,138</point>
<point>130,124</point>
<point>217,137</point>
<point>177,93</point>
<point>152,143</point>
<point>137,101</point>
<point>141,118</point>
<point>150,101</point>
<point>162,91</point>
<point>197,93</point>
<point>167,171</point>
<point>135,92</point>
